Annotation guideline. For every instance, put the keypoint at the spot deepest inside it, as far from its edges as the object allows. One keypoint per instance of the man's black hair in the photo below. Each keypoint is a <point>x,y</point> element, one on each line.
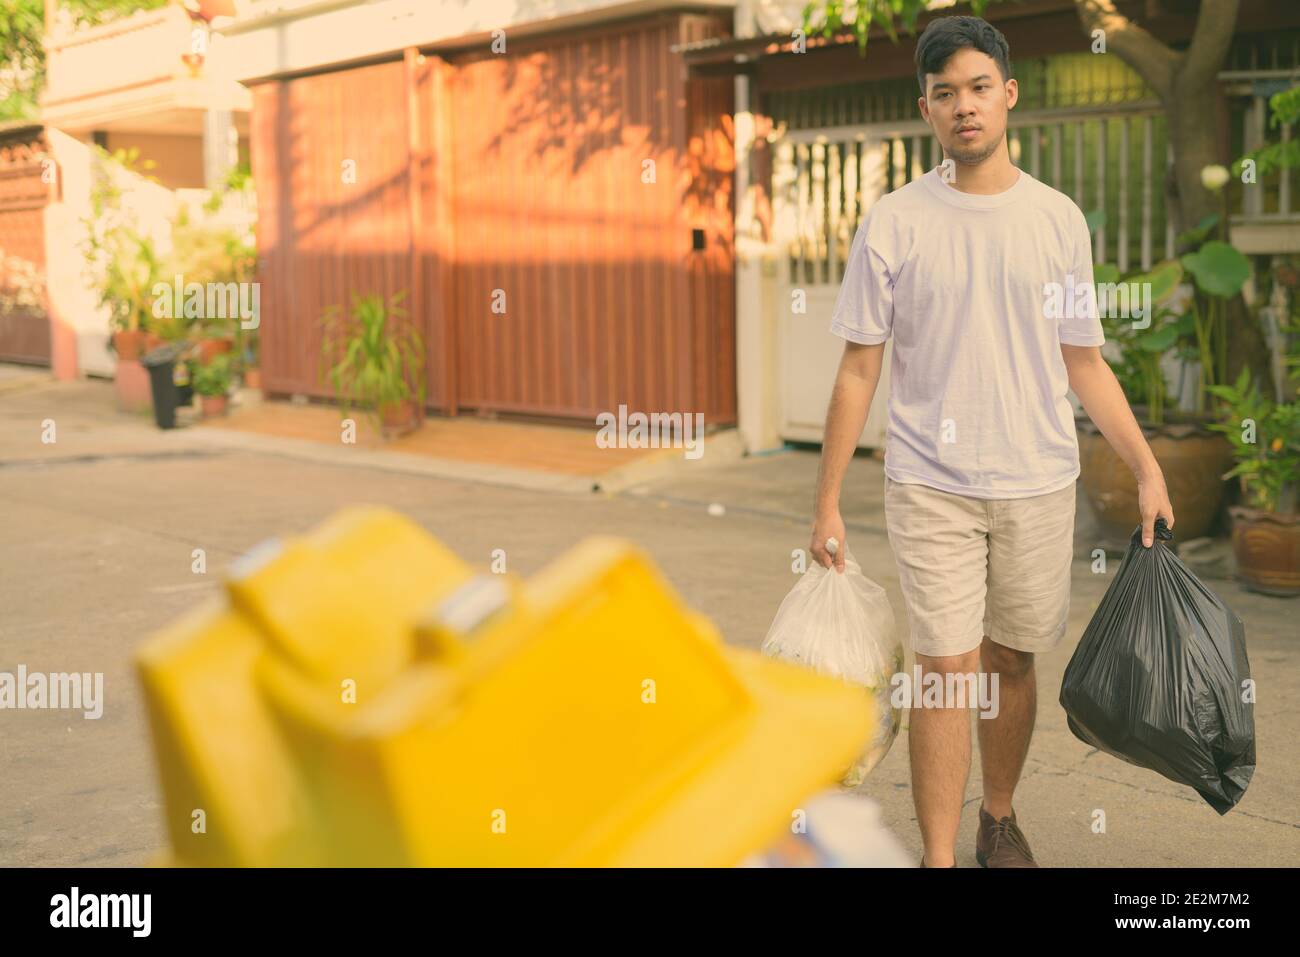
<point>943,37</point>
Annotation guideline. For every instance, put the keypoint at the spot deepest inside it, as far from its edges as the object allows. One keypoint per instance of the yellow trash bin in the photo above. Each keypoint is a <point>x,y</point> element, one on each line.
<point>360,696</point>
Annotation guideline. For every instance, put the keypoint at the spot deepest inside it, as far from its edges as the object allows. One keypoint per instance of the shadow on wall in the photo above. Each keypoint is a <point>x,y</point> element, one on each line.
<point>560,226</point>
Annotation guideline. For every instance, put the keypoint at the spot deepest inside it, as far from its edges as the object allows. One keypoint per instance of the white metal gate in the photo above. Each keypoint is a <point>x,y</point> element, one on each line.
<point>825,180</point>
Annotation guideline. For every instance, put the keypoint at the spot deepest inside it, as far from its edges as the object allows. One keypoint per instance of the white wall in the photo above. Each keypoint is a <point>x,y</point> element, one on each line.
<point>72,299</point>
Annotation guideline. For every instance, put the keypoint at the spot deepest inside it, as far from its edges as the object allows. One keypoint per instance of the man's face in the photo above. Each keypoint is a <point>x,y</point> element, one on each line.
<point>966,105</point>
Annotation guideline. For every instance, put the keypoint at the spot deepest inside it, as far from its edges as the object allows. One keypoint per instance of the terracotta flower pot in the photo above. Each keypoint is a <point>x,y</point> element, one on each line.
<point>152,341</point>
<point>213,405</point>
<point>1192,459</point>
<point>253,378</point>
<point>131,383</point>
<point>209,349</point>
<point>398,418</point>
<point>128,345</point>
<point>1267,548</point>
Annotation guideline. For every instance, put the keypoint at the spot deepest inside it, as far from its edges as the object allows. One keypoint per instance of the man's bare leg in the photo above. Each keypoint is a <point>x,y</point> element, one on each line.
<point>1004,740</point>
<point>939,748</point>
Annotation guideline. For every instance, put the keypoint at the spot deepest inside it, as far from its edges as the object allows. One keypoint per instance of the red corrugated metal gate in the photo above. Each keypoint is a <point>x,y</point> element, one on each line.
<point>541,208</point>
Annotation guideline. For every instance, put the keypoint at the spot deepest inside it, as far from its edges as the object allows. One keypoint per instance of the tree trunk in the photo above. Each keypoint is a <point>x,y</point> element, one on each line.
<point>1187,85</point>
<point>1196,145</point>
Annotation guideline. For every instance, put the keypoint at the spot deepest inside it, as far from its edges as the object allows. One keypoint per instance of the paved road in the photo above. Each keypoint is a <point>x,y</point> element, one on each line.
<point>98,530</point>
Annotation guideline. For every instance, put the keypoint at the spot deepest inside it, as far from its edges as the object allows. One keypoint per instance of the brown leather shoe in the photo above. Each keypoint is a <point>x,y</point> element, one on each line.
<point>1001,843</point>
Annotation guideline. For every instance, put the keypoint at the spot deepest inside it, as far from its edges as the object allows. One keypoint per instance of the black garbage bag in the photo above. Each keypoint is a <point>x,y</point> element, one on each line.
<point>1159,675</point>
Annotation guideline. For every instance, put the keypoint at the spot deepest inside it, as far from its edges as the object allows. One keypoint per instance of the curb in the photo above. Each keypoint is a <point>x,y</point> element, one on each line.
<point>722,447</point>
<point>308,450</point>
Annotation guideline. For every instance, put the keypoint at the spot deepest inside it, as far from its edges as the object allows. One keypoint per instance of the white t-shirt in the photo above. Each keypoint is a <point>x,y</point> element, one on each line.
<point>978,388</point>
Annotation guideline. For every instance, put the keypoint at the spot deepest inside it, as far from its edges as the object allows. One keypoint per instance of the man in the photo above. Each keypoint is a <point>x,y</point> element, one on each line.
<point>981,454</point>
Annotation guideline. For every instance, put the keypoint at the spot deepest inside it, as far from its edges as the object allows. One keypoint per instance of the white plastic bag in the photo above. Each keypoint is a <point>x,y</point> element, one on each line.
<point>841,625</point>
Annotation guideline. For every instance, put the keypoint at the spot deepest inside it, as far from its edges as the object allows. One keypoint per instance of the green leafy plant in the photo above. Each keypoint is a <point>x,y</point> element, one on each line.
<point>121,259</point>
<point>22,50</point>
<point>1141,350</point>
<point>215,377</point>
<point>1196,333</point>
<point>1265,437</point>
<point>208,247</point>
<point>1287,275</point>
<point>1218,271</point>
<point>375,358</point>
<point>1284,108</point>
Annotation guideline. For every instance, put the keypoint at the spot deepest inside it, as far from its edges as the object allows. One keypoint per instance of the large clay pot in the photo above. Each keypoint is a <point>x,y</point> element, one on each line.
<point>131,383</point>
<point>128,344</point>
<point>213,406</point>
<point>253,378</point>
<point>1266,546</point>
<point>398,418</point>
<point>1193,460</point>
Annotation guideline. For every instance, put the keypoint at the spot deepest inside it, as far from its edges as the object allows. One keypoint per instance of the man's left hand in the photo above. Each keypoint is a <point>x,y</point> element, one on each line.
<point>1153,503</point>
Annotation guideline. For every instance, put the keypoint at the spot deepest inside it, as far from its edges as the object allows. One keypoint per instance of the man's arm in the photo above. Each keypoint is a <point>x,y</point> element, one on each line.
<point>855,385</point>
<point>1099,391</point>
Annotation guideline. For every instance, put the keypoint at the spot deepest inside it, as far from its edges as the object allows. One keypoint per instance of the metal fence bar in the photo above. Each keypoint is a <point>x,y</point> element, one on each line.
<point>834,210</point>
<point>1284,185</point>
<point>1253,199</point>
<point>1078,164</point>
<point>1121,257</point>
<point>1057,145</point>
<point>822,209</point>
<point>1147,123</point>
<point>803,192</point>
<point>825,176</point>
<point>1100,252</point>
<point>1016,121</point>
<point>1169,218</point>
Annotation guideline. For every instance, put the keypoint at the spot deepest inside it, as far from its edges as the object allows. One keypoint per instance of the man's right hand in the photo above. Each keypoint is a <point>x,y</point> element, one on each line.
<point>826,526</point>
<point>855,384</point>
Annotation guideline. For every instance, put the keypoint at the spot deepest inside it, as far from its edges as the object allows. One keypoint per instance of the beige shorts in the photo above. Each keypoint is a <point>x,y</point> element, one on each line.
<point>970,567</point>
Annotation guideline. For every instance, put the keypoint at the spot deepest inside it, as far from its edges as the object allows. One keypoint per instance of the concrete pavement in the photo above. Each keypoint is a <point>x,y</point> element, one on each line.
<point>95,554</point>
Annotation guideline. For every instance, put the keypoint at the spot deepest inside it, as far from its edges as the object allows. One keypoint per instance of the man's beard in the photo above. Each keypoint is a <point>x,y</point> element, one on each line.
<point>974,155</point>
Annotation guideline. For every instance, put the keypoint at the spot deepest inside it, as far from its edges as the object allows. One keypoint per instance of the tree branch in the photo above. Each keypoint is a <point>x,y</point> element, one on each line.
<point>1210,40</point>
<point>1152,60</point>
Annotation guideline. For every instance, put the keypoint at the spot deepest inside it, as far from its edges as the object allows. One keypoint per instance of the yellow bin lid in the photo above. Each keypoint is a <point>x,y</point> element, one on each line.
<point>359,696</point>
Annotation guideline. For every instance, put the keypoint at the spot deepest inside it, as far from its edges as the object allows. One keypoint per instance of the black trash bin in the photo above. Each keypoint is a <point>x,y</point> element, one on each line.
<point>161,363</point>
<point>184,388</point>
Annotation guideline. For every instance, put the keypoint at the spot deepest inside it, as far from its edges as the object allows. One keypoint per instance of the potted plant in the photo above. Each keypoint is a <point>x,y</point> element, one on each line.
<point>376,360</point>
<point>1191,456</point>
<point>209,250</point>
<point>252,372</point>
<point>130,271</point>
<point>1265,437</point>
<point>212,383</point>
<point>215,339</point>
<point>120,258</point>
